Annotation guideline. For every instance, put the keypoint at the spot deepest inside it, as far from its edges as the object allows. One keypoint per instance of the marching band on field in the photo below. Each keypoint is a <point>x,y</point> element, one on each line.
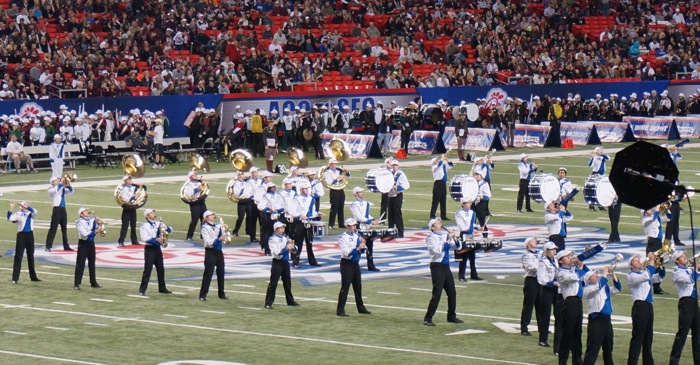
<point>289,217</point>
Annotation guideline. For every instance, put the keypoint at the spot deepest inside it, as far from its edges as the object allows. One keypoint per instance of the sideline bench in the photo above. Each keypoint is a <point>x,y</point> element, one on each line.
<point>119,148</point>
<point>70,154</point>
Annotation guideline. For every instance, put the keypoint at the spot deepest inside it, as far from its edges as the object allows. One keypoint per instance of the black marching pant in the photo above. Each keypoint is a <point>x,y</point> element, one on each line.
<point>196,211</point>
<point>301,234</point>
<point>25,241</point>
<point>86,251</point>
<point>572,329</point>
<point>642,333</point>
<point>370,253</point>
<point>318,146</point>
<point>213,258</point>
<point>558,240</point>
<point>439,197</point>
<point>441,276</point>
<point>614,212</point>
<point>673,225</point>
<point>241,211</point>
<point>128,221</point>
<point>384,205</point>
<point>252,219</point>
<point>266,231</point>
<point>350,275</point>
<point>481,210</point>
<point>405,139</point>
<point>280,268</point>
<point>548,300</point>
<point>58,218</point>
<point>600,334</point>
<point>337,198</point>
<point>523,193</point>
<point>688,319</point>
<point>153,255</point>
<point>471,257</point>
<point>395,213</point>
<point>531,299</point>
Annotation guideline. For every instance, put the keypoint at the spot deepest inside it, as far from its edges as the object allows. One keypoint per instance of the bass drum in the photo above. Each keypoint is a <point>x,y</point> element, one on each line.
<point>379,180</point>
<point>599,191</point>
<point>464,187</point>
<point>472,112</point>
<point>544,187</point>
<point>431,114</point>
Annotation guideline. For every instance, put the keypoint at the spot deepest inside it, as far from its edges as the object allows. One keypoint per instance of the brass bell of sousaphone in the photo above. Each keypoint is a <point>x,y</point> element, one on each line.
<point>198,163</point>
<point>241,160</point>
<point>133,166</point>
<point>297,158</point>
<point>339,149</point>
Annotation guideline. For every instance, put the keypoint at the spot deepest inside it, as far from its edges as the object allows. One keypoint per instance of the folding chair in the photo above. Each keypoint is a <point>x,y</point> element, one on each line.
<point>100,157</point>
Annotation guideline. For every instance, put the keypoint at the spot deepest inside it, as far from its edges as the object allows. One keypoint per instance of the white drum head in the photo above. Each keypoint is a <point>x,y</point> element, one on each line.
<point>472,112</point>
<point>384,181</point>
<point>378,113</point>
<point>605,193</point>
<point>549,189</point>
<point>470,187</point>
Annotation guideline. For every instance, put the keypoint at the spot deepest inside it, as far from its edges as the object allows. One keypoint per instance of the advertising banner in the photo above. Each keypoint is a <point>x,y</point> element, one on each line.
<point>613,132</point>
<point>580,133</point>
<point>530,135</point>
<point>359,144</point>
<point>688,127</point>
<point>421,143</point>
<point>479,139</point>
<point>652,128</point>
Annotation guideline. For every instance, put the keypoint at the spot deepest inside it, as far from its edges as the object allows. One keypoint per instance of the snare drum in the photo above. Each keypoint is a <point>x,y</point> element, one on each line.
<point>464,187</point>
<point>379,180</point>
<point>318,228</point>
<point>493,245</point>
<point>599,191</point>
<point>544,187</point>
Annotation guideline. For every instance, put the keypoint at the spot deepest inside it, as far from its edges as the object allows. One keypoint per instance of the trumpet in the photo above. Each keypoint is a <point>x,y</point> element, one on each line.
<point>101,228</point>
<point>225,232</point>
<point>163,232</point>
<point>68,178</point>
<point>613,264</point>
<point>21,204</point>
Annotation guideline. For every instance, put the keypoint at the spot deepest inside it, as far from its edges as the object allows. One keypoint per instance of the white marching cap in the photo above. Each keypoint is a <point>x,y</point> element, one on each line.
<point>253,169</point>
<point>563,253</point>
<point>53,178</point>
<point>332,161</point>
<point>368,105</point>
<point>637,256</point>
<point>148,211</point>
<point>357,189</point>
<point>523,155</point>
<point>549,245</point>
<point>395,162</point>
<point>588,275</point>
<point>548,203</point>
<point>126,177</point>
<point>81,210</point>
<point>207,213</point>
<point>676,255</point>
<point>350,222</point>
<point>681,95</point>
<point>346,107</point>
<point>278,225</point>
<point>287,110</point>
<point>633,95</point>
<point>191,173</point>
<point>266,174</point>
<point>466,200</point>
<point>432,222</point>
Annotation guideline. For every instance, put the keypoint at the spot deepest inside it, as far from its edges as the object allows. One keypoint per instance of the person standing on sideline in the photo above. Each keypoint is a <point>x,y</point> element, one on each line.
<point>652,220</point>
<point>598,296</point>
<point>639,282</point>
<point>24,218</point>
<point>59,217</point>
<point>684,278</point>
<point>531,288</point>
<point>212,235</point>
<point>547,278</point>
<point>281,248</point>
<point>334,175</point>
<point>439,245</point>
<point>351,247</point>
<point>597,165</point>
<point>87,229</point>
<point>465,219</point>
<point>56,156</point>
<point>198,204</point>
<point>128,211</point>
<point>152,236</point>
<point>525,169</point>
<point>569,276</point>
<point>555,219</point>
<point>401,184</point>
<point>360,212</point>
<point>439,168</point>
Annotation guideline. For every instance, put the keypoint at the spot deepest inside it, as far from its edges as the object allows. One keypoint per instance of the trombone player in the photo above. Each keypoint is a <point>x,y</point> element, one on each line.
<point>197,203</point>
<point>685,275</point>
<point>60,187</point>
<point>214,238</point>
<point>332,176</point>
<point>88,227</point>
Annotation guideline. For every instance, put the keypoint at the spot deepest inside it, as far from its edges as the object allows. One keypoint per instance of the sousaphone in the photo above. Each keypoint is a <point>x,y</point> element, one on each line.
<point>197,162</point>
<point>133,166</point>
<point>241,160</point>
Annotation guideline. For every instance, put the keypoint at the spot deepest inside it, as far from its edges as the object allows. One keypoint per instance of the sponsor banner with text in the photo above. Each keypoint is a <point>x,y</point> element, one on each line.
<point>479,139</point>
<point>421,143</point>
<point>688,127</point>
<point>530,135</point>
<point>580,133</point>
<point>652,128</point>
<point>359,144</point>
<point>610,131</point>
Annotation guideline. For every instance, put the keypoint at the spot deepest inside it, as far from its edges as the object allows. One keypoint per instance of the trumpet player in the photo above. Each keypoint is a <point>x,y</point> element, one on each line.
<point>555,219</point>
<point>440,167</point>
<point>213,237</point>
<point>525,170</point>
<point>360,212</point>
<point>547,278</point>
<point>531,288</point>
<point>152,236</point>
<point>57,192</point>
<point>352,246</point>
<point>439,246</point>
<point>56,155</point>
<point>87,229</point>
<point>465,219</point>
<point>598,295</point>
<point>24,218</point>
<point>281,248</point>
<point>569,276</point>
<point>684,277</point>
<point>331,176</point>
<point>652,220</point>
<point>198,206</point>
<point>639,282</point>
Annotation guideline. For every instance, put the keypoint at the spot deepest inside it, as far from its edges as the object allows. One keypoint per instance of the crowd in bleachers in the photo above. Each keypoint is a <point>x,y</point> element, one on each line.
<point>173,47</point>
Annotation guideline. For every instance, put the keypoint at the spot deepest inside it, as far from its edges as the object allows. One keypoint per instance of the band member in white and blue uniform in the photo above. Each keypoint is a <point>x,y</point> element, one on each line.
<point>439,244</point>
<point>597,165</point>
<point>24,218</point>
<point>316,190</point>
<point>213,235</point>
<point>547,278</point>
<point>59,217</point>
<point>152,238</point>
<point>270,206</point>
<point>128,211</point>
<point>360,212</point>
<point>303,210</point>
<point>87,229</point>
<point>193,188</point>
<point>684,276</point>
<point>652,221</point>
<point>288,194</point>
<point>465,219</point>
<point>255,183</point>
<point>639,282</point>
<point>244,191</point>
<point>569,277</point>
<point>673,225</point>
<point>481,206</point>
<point>352,246</point>
<point>531,288</point>
<point>598,296</point>
<point>525,170</point>
<point>440,167</point>
<point>56,155</point>
<point>555,219</point>
<point>332,176</point>
<point>401,184</point>
<point>281,248</point>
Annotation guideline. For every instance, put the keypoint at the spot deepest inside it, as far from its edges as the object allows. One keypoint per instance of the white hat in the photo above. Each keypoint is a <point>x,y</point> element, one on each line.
<point>588,275</point>
<point>664,145</point>
<point>395,162</point>
<point>633,95</point>
<point>681,95</point>
<point>562,169</point>
<point>598,96</point>
<point>286,181</point>
<point>432,222</point>
<point>278,225</point>
<point>637,256</point>
<point>598,149</point>
<point>413,103</point>
<point>664,93</point>
<point>550,246</point>
<point>304,184</point>
<point>148,211</point>
<point>293,168</point>
<point>563,253</point>
<point>528,240</point>
<point>253,169</point>
<point>286,110</point>
<point>126,177</point>
<point>357,189</point>
<point>346,107</point>
<point>368,105</point>
<point>273,111</point>
<point>523,155</point>
<point>311,172</point>
<point>238,106</point>
<point>323,107</point>
<point>270,185</point>
<point>191,173</point>
<point>335,107</point>
<point>350,222</point>
<point>536,97</point>
<point>393,102</point>
<point>332,161</point>
<point>466,200</point>
<point>57,136</point>
<point>81,210</point>
<point>624,98</point>
<point>548,203</point>
<point>207,213</point>
<point>302,110</point>
<point>266,174</point>
<point>676,255</point>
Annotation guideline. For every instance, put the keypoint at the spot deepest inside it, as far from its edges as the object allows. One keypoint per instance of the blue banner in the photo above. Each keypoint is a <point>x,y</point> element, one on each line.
<point>421,143</point>
<point>478,139</point>
<point>610,131</point>
<point>359,144</point>
<point>581,134</point>
<point>530,135</point>
<point>652,128</point>
<point>688,127</point>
